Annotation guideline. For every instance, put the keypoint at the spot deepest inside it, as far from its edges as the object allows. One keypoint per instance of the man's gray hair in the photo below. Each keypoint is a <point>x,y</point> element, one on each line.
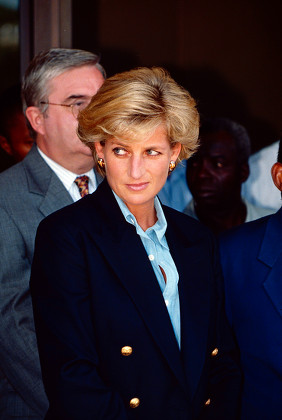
<point>238,132</point>
<point>49,64</point>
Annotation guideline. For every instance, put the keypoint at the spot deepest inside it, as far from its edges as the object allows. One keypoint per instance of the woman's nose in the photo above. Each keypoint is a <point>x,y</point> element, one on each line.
<point>136,167</point>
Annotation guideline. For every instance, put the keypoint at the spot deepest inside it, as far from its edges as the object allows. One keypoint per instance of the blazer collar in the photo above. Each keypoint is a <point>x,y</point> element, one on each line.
<point>271,254</point>
<point>271,247</point>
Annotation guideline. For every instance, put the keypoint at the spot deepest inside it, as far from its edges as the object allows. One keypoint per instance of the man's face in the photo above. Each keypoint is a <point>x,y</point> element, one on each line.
<point>58,138</point>
<point>213,174</point>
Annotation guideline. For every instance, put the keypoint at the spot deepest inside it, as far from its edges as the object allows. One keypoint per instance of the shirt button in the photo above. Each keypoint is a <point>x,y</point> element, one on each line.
<point>166,302</point>
<point>151,257</point>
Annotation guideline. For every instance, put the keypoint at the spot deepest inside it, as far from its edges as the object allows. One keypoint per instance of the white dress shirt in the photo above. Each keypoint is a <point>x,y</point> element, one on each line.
<point>67,177</point>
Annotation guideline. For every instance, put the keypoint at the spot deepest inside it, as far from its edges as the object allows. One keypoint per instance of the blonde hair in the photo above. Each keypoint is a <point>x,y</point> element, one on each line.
<point>132,104</point>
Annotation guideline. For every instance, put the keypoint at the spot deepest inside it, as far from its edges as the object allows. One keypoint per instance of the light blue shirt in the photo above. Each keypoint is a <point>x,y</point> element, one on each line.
<point>157,249</point>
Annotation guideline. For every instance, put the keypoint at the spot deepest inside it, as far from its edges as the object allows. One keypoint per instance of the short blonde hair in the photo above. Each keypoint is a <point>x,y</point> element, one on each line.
<point>132,104</point>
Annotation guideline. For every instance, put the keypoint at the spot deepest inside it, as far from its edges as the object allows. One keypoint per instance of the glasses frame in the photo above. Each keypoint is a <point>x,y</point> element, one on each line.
<point>71,106</point>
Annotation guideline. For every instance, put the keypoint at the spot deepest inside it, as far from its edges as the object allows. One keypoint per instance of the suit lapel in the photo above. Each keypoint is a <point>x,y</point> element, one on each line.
<point>194,299</point>
<point>56,196</point>
<point>124,251</point>
<point>43,181</point>
<point>270,253</point>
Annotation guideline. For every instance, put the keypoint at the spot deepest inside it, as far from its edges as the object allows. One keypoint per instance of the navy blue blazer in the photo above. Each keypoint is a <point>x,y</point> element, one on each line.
<point>94,292</point>
<point>252,265</point>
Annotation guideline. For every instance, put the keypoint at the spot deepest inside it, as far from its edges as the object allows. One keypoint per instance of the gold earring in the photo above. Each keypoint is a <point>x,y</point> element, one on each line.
<point>172,166</point>
<point>101,163</point>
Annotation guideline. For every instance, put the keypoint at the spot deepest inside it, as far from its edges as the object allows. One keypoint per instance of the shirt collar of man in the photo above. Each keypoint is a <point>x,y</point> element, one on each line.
<point>67,177</point>
<point>159,228</point>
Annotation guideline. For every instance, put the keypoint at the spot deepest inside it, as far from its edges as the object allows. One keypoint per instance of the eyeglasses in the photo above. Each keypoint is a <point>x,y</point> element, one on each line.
<point>75,108</point>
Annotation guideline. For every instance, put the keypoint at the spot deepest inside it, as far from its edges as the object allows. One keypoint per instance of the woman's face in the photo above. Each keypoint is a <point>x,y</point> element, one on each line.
<point>137,170</point>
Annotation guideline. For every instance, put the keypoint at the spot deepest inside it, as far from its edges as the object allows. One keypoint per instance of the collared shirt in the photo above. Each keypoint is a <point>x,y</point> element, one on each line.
<point>155,244</point>
<point>67,177</point>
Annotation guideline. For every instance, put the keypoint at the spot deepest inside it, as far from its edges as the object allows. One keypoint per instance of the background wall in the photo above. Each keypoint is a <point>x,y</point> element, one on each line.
<point>9,44</point>
<point>226,53</point>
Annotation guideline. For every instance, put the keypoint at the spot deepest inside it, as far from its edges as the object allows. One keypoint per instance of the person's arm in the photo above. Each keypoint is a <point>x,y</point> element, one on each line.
<point>18,347</point>
<point>65,329</point>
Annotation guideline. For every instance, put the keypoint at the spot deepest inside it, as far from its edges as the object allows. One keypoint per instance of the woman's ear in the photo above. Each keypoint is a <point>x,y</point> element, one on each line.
<point>276,172</point>
<point>36,119</point>
<point>99,150</point>
<point>176,148</point>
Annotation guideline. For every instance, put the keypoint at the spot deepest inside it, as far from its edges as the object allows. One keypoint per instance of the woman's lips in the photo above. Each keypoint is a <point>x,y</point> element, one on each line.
<point>137,187</point>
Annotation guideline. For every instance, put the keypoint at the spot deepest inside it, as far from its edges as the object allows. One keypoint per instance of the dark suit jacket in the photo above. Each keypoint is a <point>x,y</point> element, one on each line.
<point>29,191</point>
<point>252,266</point>
<point>94,292</point>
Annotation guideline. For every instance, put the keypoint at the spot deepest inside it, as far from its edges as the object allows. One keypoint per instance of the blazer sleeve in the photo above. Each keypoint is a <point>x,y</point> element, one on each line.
<point>18,346</point>
<point>66,338</point>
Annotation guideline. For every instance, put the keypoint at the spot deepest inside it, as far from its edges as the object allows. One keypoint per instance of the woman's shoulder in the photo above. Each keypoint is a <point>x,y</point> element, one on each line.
<point>185,223</point>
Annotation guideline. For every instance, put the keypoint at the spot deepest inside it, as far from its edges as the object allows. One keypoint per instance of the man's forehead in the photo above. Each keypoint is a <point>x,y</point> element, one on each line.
<point>77,82</point>
<point>216,141</point>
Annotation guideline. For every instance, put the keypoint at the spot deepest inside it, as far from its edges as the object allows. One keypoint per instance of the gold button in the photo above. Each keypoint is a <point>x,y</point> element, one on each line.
<point>134,402</point>
<point>214,352</point>
<point>208,402</point>
<point>126,351</point>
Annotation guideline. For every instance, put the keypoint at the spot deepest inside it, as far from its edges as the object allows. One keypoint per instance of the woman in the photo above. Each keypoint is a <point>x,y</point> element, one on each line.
<point>126,294</point>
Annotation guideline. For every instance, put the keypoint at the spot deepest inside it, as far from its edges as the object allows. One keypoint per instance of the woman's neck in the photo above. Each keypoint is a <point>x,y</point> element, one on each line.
<point>145,215</point>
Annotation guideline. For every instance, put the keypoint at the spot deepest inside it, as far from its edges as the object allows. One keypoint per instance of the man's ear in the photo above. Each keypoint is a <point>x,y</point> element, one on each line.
<point>276,172</point>
<point>244,172</point>
<point>4,144</point>
<point>36,119</point>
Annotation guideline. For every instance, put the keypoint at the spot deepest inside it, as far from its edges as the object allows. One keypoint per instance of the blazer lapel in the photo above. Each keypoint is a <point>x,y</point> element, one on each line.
<point>194,300</point>
<point>124,251</point>
<point>271,254</point>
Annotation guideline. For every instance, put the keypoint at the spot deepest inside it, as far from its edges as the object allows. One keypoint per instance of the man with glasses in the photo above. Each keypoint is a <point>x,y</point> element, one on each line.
<point>57,171</point>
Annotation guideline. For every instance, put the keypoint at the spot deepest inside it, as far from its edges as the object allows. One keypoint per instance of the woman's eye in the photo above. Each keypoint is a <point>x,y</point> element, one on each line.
<point>119,151</point>
<point>151,152</point>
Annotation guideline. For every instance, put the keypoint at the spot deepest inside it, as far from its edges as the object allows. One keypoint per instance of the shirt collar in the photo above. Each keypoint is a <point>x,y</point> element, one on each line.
<point>67,177</point>
<point>159,227</point>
